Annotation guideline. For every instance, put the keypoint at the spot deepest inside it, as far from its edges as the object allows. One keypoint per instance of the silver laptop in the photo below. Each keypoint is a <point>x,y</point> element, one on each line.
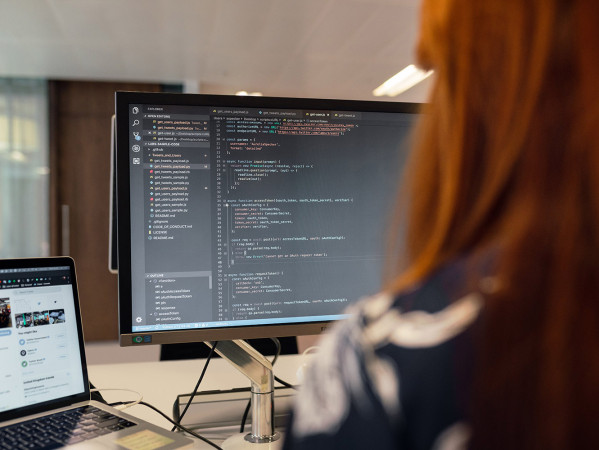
<point>44,387</point>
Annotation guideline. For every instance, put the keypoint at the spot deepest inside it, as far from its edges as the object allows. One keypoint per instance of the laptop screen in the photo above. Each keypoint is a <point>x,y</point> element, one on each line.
<point>43,365</point>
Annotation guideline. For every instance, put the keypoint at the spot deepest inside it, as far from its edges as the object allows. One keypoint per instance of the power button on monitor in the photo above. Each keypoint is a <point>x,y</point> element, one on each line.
<point>145,339</point>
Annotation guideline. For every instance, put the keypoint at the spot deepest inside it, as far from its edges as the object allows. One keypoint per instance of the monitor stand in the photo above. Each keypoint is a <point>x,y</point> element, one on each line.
<point>258,369</point>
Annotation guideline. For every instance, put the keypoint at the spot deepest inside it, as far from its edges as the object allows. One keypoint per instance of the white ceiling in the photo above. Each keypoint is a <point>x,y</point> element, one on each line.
<point>305,48</point>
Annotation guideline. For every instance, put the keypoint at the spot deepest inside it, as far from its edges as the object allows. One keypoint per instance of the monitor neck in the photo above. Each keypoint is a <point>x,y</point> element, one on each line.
<point>259,370</point>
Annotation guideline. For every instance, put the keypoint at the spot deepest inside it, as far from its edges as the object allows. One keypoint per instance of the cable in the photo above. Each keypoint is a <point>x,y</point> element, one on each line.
<point>278,351</point>
<point>195,391</point>
<point>123,405</point>
<point>178,425</point>
<point>312,349</point>
<point>246,411</point>
<point>284,383</point>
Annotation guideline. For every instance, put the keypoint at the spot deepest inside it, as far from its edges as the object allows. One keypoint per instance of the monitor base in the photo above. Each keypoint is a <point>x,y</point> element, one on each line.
<point>239,442</point>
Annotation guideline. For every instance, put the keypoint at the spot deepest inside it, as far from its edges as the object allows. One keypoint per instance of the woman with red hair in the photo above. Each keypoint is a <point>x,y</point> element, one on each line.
<point>486,334</point>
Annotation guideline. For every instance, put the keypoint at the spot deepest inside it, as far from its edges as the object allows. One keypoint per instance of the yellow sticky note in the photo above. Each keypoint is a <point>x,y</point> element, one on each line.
<point>144,440</point>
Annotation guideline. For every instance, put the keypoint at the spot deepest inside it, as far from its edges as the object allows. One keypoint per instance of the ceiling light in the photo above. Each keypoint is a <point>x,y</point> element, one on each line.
<point>251,94</point>
<point>402,81</point>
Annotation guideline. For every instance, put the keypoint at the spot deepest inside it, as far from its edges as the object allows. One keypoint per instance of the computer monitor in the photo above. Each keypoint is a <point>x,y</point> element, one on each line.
<point>245,217</point>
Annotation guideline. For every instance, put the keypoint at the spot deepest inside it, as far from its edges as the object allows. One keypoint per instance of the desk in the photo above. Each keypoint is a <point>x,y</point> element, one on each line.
<point>161,382</point>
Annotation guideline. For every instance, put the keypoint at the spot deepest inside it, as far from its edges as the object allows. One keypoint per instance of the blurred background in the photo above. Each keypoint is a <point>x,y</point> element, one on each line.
<point>62,60</point>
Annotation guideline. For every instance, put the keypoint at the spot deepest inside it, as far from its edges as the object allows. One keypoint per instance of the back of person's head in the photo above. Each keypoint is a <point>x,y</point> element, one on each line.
<point>507,162</point>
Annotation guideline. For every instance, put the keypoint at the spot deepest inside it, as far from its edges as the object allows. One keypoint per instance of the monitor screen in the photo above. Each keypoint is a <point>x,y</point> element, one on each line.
<point>244,217</point>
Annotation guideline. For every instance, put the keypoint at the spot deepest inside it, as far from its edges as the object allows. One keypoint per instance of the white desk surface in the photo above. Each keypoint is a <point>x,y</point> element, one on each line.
<point>161,381</point>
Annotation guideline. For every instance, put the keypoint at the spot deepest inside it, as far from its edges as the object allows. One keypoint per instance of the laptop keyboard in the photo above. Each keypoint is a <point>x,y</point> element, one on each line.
<point>64,428</point>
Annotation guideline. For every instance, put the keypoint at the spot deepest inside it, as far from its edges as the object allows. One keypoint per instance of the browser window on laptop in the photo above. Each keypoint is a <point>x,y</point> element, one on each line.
<point>44,387</point>
<point>40,350</point>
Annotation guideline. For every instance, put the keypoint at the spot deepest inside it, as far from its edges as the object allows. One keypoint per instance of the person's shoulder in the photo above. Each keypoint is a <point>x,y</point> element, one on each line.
<point>426,314</point>
<point>448,283</point>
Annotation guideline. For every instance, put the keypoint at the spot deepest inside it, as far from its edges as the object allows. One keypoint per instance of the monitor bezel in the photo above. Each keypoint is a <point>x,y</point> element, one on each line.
<point>122,101</point>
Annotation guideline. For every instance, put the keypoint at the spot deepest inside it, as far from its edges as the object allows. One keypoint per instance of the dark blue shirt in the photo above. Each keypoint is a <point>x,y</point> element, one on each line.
<point>396,374</point>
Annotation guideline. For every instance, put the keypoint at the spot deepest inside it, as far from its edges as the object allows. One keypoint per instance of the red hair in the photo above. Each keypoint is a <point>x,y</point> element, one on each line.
<point>507,158</point>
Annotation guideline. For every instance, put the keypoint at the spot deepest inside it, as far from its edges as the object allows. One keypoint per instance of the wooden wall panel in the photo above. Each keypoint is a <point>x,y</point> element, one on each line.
<point>80,115</point>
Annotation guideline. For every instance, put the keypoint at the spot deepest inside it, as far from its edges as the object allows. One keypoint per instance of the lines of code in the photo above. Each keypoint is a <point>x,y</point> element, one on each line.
<point>273,215</point>
<point>268,213</point>
<point>300,211</point>
<point>240,171</point>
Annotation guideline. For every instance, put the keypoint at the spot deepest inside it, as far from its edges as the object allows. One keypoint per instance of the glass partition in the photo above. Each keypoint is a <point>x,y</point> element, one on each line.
<point>24,171</point>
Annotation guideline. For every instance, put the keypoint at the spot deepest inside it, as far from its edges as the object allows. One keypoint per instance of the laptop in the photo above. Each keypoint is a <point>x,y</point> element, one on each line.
<point>44,388</point>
